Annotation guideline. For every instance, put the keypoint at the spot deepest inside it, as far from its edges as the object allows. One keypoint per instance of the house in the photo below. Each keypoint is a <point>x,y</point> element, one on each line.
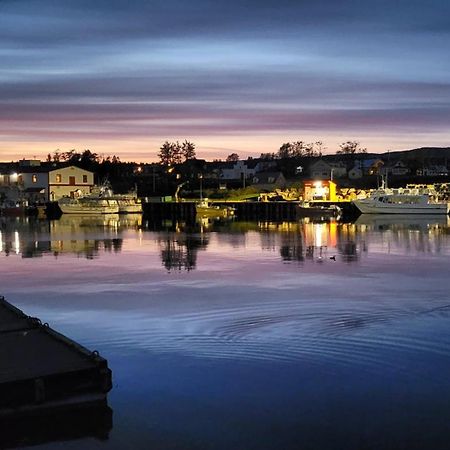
<point>244,169</point>
<point>433,171</point>
<point>269,180</point>
<point>33,183</point>
<point>25,181</point>
<point>365,167</point>
<point>398,168</point>
<point>67,181</point>
<point>372,166</point>
<point>356,172</point>
<point>327,170</point>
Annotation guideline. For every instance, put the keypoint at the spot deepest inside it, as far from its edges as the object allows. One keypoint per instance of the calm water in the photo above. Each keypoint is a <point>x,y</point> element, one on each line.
<point>250,335</point>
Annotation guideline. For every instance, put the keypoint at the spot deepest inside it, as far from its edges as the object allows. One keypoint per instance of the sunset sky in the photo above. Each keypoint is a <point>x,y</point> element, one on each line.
<point>120,77</point>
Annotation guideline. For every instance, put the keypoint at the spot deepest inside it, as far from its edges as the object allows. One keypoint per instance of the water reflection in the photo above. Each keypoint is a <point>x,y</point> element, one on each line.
<point>180,251</point>
<point>304,241</point>
<point>71,234</point>
<point>82,421</point>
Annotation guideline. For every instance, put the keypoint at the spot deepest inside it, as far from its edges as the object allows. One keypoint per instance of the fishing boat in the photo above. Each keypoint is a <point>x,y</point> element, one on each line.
<point>206,209</point>
<point>400,203</point>
<point>128,203</point>
<point>88,205</point>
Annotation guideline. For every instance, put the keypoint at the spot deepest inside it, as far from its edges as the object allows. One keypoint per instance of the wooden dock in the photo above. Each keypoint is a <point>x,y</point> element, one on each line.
<point>41,370</point>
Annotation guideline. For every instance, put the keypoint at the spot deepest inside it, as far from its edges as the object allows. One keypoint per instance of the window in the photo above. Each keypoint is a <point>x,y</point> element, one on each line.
<point>85,179</point>
<point>58,178</point>
<point>34,178</point>
<point>72,181</point>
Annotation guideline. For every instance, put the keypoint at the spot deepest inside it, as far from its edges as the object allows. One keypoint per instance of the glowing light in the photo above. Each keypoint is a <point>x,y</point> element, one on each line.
<point>16,242</point>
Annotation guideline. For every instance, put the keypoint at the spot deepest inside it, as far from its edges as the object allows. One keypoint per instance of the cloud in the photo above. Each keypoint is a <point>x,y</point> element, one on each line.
<point>127,70</point>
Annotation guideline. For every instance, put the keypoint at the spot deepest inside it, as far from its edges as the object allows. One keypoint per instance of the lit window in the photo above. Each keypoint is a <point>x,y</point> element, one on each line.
<point>58,178</point>
<point>34,178</point>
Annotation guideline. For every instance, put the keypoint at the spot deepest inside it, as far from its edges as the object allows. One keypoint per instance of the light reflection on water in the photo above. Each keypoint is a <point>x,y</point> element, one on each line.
<point>251,335</point>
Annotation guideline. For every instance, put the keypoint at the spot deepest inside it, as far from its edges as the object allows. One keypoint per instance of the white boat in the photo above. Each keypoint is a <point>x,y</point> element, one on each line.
<point>88,205</point>
<point>400,203</point>
<point>128,203</point>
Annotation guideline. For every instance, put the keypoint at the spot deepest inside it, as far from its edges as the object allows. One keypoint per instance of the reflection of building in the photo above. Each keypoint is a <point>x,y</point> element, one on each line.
<point>31,238</point>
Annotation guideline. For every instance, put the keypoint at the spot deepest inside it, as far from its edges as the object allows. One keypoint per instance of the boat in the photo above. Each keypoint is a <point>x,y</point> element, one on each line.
<point>400,202</point>
<point>129,203</point>
<point>205,209</point>
<point>88,205</point>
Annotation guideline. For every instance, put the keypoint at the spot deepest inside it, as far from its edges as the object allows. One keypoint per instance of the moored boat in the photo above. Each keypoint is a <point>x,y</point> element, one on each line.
<point>400,203</point>
<point>206,209</point>
<point>88,205</point>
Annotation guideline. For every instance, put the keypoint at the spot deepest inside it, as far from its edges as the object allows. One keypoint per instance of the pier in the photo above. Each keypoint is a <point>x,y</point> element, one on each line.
<point>41,370</point>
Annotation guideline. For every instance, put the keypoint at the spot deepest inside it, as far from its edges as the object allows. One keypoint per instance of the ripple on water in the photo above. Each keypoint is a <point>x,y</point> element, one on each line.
<point>376,338</point>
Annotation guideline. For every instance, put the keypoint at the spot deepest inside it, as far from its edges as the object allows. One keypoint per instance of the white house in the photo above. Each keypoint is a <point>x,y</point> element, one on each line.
<point>327,171</point>
<point>68,181</point>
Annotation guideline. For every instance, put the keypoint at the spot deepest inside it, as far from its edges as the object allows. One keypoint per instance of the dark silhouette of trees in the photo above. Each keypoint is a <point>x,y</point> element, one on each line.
<point>300,149</point>
<point>171,153</point>
<point>188,150</point>
<point>350,148</point>
<point>233,157</point>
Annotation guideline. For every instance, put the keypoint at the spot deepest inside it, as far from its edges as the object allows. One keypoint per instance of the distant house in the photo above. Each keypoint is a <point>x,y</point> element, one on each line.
<point>398,168</point>
<point>356,172</point>
<point>68,181</point>
<point>269,180</point>
<point>433,171</point>
<point>365,167</point>
<point>244,169</point>
<point>327,170</point>
<point>372,166</point>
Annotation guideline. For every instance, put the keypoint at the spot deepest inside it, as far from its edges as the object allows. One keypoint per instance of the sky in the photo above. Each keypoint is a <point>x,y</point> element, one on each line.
<point>121,77</point>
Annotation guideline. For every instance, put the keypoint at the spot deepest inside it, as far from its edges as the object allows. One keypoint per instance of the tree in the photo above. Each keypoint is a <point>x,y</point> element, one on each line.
<point>285,151</point>
<point>350,148</point>
<point>188,150</point>
<point>233,157</point>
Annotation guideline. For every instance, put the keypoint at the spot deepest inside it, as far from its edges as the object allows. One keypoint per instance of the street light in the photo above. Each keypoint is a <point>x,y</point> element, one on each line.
<point>200,176</point>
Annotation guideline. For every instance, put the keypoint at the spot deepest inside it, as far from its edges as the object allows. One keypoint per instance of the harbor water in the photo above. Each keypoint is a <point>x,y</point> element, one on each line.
<point>249,335</point>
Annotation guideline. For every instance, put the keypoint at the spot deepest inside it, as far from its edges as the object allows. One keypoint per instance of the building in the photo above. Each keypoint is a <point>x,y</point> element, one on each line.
<point>269,180</point>
<point>69,182</point>
<point>323,170</point>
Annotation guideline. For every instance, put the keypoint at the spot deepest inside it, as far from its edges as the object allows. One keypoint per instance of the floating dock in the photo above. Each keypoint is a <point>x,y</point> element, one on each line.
<point>42,371</point>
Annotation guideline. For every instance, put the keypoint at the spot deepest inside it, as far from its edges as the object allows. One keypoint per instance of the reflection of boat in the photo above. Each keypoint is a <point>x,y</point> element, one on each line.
<point>206,209</point>
<point>88,205</point>
<point>400,203</point>
<point>380,221</point>
<point>316,211</point>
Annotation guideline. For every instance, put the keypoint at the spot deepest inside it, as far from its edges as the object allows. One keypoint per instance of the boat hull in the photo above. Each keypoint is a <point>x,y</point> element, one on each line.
<point>369,206</point>
<point>87,207</point>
